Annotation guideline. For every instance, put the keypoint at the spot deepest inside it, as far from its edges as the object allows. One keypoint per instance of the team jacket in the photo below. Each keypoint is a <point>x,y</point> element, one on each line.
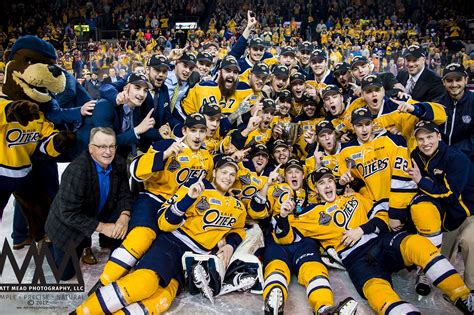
<point>381,164</point>
<point>448,176</point>
<point>201,223</point>
<point>459,127</point>
<point>327,222</point>
<point>209,92</point>
<point>18,143</point>
<point>388,117</point>
<point>164,177</point>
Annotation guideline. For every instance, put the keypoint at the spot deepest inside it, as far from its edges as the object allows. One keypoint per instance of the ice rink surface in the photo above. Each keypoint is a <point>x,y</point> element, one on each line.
<point>235,303</point>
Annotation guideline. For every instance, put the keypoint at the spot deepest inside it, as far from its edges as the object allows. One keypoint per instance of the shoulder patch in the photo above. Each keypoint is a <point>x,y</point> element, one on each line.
<point>324,218</point>
<point>277,192</point>
<point>202,205</point>
<point>174,165</point>
<point>245,179</point>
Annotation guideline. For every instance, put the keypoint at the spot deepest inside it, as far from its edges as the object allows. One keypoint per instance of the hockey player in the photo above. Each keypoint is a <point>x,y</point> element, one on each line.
<point>166,166</point>
<point>445,178</point>
<point>195,219</point>
<point>355,229</point>
<point>304,257</point>
<point>227,92</point>
<point>320,75</point>
<point>396,116</point>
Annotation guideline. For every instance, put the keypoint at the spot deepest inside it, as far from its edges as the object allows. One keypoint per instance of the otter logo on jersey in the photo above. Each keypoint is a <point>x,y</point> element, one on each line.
<point>213,218</point>
<point>245,179</point>
<point>17,136</point>
<point>324,218</point>
<point>186,174</point>
<point>373,167</point>
<point>174,165</point>
<point>202,205</point>
<point>344,216</point>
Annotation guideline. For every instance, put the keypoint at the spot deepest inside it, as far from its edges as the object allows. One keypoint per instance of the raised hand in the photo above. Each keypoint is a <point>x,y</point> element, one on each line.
<point>88,108</point>
<point>147,123</point>
<point>403,107</point>
<point>196,189</point>
<point>414,172</point>
<point>174,149</point>
<point>287,207</point>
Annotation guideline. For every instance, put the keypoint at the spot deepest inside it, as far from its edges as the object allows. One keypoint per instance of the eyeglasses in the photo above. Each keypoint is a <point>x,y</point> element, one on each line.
<point>112,147</point>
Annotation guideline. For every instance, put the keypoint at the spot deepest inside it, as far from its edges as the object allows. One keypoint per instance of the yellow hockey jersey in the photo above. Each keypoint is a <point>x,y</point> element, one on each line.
<point>389,117</point>
<point>164,177</point>
<point>201,223</point>
<point>382,165</point>
<point>249,182</point>
<point>209,92</point>
<point>18,143</point>
<point>276,195</point>
<point>327,223</point>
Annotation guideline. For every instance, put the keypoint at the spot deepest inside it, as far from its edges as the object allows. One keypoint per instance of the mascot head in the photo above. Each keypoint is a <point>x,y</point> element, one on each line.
<point>31,72</point>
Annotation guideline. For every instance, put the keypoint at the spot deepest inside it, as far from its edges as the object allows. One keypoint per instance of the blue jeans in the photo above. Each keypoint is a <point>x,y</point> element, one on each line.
<point>59,254</point>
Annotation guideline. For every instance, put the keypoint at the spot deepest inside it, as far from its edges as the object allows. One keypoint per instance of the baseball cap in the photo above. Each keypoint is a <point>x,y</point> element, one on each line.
<point>204,56</point>
<point>360,114</point>
<point>230,62</point>
<point>454,70</point>
<point>296,77</point>
<point>195,119</point>
<point>320,173</point>
<point>358,60</point>
<point>279,143</point>
<point>426,125</point>
<point>305,99</point>
<point>318,54</point>
<point>341,67</point>
<point>260,68</point>
<point>210,109</point>
<point>259,149</point>
<point>188,58</point>
<point>323,126</point>
<point>222,160</point>
<point>139,79</point>
<point>157,61</point>
<point>330,89</point>
<point>211,44</point>
<point>305,46</point>
<point>370,81</point>
<point>285,96</point>
<point>268,104</point>
<point>294,163</point>
<point>287,50</point>
<point>256,42</point>
<point>281,71</point>
<point>415,51</point>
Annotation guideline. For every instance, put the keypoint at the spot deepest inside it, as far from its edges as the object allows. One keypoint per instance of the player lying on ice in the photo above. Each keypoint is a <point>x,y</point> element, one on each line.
<point>368,250</point>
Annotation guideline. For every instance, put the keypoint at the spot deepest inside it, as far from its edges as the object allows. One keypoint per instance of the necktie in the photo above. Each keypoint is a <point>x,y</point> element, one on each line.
<point>410,85</point>
<point>127,121</point>
<point>174,97</point>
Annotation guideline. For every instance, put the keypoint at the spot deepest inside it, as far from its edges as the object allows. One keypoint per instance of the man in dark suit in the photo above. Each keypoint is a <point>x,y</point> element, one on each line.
<point>157,98</point>
<point>421,83</point>
<point>112,77</point>
<point>123,116</point>
<point>93,196</point>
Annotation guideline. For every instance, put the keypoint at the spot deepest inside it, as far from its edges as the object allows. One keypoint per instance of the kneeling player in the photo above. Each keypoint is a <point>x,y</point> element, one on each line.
<point>195,219</point>
<point>352,227</point>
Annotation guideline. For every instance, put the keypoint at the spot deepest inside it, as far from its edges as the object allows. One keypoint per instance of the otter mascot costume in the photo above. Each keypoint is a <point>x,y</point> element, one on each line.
<point>31,75</point>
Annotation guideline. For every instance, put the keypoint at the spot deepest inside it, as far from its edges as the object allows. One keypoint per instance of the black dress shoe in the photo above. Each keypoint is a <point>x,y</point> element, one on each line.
<point>88,256</point>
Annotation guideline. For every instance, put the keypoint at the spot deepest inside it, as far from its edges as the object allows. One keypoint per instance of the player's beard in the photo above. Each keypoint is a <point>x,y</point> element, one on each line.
<point>225,91</point>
